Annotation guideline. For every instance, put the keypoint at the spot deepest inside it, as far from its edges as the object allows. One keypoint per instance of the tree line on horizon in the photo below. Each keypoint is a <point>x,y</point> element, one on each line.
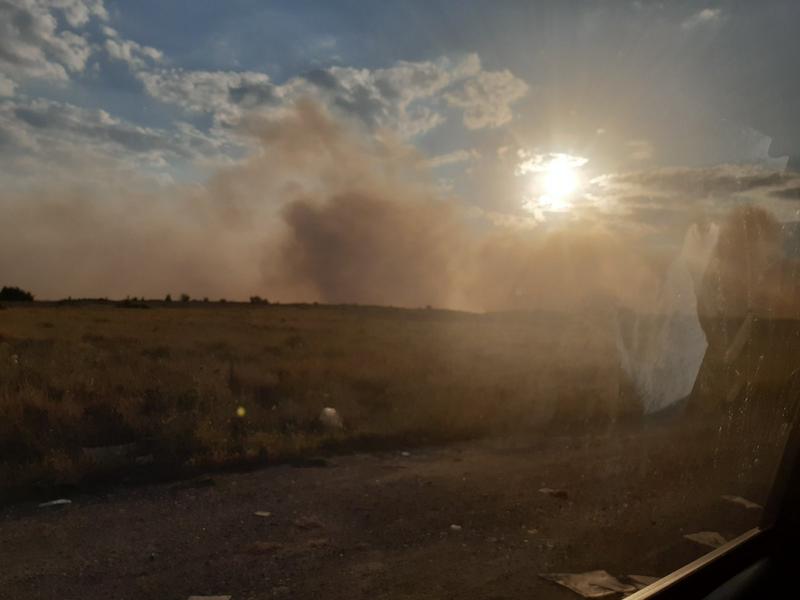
<point>17,294</point>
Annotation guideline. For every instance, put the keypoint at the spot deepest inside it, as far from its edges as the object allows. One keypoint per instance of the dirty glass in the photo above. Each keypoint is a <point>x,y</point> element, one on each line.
<point>391,300</point>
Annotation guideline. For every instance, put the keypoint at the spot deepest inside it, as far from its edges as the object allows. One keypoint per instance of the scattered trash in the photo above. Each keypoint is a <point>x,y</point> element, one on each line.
<point>712,539</point>
<point>59,502</point>
<point>262,513</point>
<point>108,457</point>
<point>406,454</point>
<point>455,527</point>
<point>307,523</point>
<point>531,531</point>
<point>743,501</point>
<point>561,494</point>
<point>642,581</point>
<point>593,584</point>
<point>330,419</point>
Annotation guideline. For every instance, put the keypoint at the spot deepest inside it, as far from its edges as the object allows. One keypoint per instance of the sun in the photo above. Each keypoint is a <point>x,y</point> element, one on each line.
<point>554,180</point>
<point>559,180</point>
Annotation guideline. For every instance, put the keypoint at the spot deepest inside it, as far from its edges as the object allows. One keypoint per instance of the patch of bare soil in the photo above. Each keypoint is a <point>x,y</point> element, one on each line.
<point>465,521</point>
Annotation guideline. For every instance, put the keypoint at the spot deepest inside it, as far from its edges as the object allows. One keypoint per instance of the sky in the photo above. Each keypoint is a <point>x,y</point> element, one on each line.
<point>138,148</point>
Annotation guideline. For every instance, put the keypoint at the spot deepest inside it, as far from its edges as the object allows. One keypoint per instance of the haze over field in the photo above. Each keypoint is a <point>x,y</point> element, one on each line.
<point>524,172</point>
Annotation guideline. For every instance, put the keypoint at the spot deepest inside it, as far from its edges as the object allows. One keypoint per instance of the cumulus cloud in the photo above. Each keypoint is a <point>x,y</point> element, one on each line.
<point>37,134</point>
<point>78,12</point>
<point>7,86</point>
<point>223,94</point>
<point>403,98</point>
<point>486,99</point>
<point>707,16</point>
<point>47,39</point>
<point>135,55</point>
<point>33,45</point>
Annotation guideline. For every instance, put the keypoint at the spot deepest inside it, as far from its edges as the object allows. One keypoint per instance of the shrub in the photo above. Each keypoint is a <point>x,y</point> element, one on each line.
<point>258,300</point>
<point>168,298</point>
<point>15,294</point>
<point>185,297</point>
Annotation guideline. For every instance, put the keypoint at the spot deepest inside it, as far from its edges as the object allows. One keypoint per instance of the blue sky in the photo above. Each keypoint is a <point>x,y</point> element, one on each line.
<point>677,82</point>
<point>637,96</point>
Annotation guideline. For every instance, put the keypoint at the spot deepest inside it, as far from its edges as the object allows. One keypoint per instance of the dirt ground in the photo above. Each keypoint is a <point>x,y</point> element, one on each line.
<point>380,525</point>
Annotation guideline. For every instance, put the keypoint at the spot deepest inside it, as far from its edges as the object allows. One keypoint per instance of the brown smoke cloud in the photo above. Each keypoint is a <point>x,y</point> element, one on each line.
<point>750,271</point>
<point>320,211</point>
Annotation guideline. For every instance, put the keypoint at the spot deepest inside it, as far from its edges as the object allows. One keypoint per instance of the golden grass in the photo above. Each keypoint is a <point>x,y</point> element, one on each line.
<point>171,379</point>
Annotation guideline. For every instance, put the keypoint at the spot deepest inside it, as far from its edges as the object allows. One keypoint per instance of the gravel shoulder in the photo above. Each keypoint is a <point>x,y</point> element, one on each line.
<point>381,525</point>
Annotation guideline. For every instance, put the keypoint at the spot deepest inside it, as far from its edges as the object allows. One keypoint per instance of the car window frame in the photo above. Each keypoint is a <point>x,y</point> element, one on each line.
<point>780,522</point>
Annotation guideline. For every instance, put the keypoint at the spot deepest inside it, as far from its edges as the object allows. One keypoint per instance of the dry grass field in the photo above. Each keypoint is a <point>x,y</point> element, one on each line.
<point>196,385</point>
<point>569,476</point>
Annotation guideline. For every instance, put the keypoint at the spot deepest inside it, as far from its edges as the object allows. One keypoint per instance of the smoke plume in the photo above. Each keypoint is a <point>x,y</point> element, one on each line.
<point>320,211</point>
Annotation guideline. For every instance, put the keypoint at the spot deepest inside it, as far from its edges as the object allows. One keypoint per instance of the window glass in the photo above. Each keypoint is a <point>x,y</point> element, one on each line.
<point>410,300</point>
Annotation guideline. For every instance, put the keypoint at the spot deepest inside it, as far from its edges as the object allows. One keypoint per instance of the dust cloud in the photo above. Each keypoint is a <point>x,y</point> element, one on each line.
<point>320,211</point>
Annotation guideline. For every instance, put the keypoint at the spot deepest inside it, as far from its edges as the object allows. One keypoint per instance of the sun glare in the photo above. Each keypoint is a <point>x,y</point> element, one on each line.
<point>555,178</point>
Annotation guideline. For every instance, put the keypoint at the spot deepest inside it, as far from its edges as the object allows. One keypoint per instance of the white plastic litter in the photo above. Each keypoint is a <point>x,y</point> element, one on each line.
<point>712,539</point>
<point>562,494</point>
<point>59,502</point>
<point>330,418</point>
<point>455,527</point>
<point>592,584</point>
<point>743,501</point>
<point>262,513</point>
<point>107,457</point>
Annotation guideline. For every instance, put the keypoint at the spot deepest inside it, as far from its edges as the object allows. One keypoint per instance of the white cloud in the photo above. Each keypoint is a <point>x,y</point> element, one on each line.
<point>486,99</point>
<point>707,16</point>
<point>33,45</point>
<point>541,163</point>
<point>130,52</point>
<point>7,86</point>
<point>405,98</point>
<point>220,93</point>
<point>78,12</point>
<point>43,134</point>
<point>50,39</point>
<point>452,158</point>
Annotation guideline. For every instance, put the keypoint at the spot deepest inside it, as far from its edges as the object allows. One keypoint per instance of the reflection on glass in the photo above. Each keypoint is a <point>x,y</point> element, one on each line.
<point>475,300</point>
